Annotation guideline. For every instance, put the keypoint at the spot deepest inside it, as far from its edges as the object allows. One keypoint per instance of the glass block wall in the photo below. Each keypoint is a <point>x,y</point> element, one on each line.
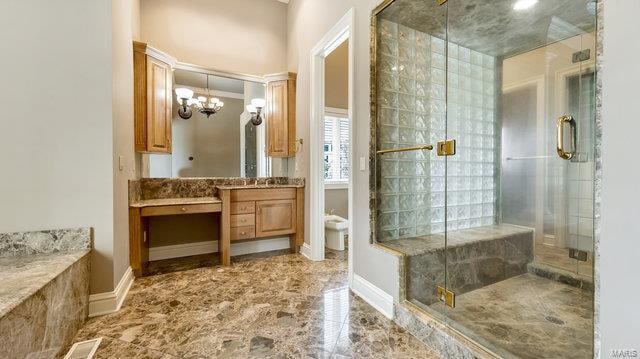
<point>414,72</point>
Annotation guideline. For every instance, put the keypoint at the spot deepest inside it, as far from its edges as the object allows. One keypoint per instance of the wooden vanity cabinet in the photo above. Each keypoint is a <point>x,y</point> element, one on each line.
<point>153,98</point>
<point>281,115</point>
<point>257,213</point>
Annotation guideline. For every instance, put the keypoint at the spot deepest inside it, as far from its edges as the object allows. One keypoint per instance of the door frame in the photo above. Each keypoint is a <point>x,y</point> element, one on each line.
<point>341,31</point>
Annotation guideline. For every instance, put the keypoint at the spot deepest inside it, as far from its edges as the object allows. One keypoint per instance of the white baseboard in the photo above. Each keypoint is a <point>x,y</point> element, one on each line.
<point>373,295</point>
<point>237,249</point>
<point>305,250</point>
<point>110,302</point>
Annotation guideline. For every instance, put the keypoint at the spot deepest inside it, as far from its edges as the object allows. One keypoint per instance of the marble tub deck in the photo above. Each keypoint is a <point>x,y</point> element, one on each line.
<point>24,276</point>
<point>527,317</point>
<point>268,305</point>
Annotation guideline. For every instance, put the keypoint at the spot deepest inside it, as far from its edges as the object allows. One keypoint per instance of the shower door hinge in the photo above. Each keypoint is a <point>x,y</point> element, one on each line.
<point>441,2</point>
<point>446,296</point>
<point>578,254</point>
<point>446,148</point>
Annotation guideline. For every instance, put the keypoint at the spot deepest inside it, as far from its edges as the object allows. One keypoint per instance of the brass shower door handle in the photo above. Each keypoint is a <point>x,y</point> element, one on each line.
<point>567,155</point>
<point>405,149</point>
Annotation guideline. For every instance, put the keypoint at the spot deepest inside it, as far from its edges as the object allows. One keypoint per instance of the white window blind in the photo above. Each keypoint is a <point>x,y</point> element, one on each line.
<point>336,149</point>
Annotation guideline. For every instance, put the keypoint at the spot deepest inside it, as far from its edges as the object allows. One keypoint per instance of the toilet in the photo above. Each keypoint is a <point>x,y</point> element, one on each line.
<point>335,228</point>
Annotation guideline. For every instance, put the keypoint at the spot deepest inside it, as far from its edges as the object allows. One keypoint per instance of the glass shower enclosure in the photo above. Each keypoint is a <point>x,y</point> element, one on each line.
<point>484,163</point>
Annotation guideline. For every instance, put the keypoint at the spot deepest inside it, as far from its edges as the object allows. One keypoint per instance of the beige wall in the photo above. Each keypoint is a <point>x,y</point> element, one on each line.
<point>243,36</point>
<point>336,76</point>
<point>57,130</point>
<point>307,22</point>
<point>124,23</point>
<point>337,200</point>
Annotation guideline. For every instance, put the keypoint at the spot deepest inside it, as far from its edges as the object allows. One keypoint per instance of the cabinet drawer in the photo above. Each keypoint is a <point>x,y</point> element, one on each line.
<point>180,209</point>
<point>262,194</point>
<point>243,220</point>
<point>243,207</point>
<point>243,233</point>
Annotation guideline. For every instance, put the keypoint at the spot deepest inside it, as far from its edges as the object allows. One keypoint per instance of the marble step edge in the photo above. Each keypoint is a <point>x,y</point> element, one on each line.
<point>442,338</point>
<point>561,275</point>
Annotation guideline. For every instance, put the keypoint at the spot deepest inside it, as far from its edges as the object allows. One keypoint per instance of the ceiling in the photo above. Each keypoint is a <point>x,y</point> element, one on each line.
<point>493,27</point>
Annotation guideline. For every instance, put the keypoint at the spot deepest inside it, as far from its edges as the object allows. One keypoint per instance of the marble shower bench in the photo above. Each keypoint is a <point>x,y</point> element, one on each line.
<point>44,290</point>
<point>475,258</point>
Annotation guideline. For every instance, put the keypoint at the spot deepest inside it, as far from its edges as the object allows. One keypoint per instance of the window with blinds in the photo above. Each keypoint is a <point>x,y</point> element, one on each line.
<point>336,149</point>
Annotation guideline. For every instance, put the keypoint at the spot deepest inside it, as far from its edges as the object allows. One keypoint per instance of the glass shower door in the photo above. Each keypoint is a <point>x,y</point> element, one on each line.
<point>519,188</point>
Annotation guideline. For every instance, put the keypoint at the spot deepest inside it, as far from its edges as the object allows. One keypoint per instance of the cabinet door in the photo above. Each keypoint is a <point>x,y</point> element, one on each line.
<point>159,98</point>
<point>277,129</point>
<point>275,217</point>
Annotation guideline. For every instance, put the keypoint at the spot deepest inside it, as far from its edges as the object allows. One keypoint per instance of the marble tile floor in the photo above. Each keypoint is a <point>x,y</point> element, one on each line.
<point>274,305</point>
<point>527,317</point>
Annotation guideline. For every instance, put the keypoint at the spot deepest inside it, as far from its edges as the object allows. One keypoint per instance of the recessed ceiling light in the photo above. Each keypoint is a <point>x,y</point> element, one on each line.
<point>524,4</point>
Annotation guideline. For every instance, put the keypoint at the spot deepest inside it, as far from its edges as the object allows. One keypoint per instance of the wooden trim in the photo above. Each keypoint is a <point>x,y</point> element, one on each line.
<point>299,217</point>
<point>262,194</point>
<point>180,209</point>
<point>291,116</point>
<point>280,76</point>
<point>224,245</point>
<point>155,53</point>
<point>140,99</point>
<point>138,245</point>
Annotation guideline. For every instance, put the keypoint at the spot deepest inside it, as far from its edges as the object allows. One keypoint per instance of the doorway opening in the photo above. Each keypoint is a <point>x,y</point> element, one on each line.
<point>331,141</point>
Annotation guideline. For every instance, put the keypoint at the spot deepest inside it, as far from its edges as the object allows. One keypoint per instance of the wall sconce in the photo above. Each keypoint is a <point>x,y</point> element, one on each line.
<point>185,100</point>
<point>255,109</point>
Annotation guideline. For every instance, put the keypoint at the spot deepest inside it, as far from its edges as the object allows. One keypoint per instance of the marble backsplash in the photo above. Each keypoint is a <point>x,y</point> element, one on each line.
<point>157,188</point>
<point>45,242</point>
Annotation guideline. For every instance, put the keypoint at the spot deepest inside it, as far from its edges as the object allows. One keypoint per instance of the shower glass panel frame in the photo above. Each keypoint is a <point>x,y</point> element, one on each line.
<point>505,210</point>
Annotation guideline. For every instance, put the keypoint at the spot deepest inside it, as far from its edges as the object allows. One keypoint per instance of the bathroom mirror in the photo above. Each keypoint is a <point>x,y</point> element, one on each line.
<point>218,142</point>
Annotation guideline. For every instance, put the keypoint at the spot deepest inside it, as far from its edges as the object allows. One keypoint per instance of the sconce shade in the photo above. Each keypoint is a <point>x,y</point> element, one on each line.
<point>251,109</point>
<point>258,102</point>
<point>184,93</point>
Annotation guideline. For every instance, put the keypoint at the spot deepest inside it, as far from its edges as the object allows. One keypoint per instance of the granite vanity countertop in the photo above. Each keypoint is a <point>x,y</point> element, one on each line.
<point>23,276</point>
<point>260,186</point>
<point>175,201</point>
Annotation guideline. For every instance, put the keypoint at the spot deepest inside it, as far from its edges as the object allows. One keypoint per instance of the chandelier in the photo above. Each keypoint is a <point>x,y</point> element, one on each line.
<point>204,104</point>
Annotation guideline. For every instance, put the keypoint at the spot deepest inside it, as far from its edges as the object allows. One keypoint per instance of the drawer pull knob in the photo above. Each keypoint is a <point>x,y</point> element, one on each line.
<point>243,233</point>
<point>243,220</point>
<point>184,209</point>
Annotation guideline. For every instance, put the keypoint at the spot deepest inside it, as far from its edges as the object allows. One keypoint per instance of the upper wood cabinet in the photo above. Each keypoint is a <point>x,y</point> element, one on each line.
<point>153,97</point>
<point>281,115</point>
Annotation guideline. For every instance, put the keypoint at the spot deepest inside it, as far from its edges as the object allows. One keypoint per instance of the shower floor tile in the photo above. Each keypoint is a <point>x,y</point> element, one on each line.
<point>528,317</point>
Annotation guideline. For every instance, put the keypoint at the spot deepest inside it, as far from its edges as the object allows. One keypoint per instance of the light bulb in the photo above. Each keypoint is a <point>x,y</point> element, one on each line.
<point>251,109</point>
<point>220,103</point>
<point>184,93</point>
<point>202,99</point>
<point>258,102</point>
<point>524,4</point>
